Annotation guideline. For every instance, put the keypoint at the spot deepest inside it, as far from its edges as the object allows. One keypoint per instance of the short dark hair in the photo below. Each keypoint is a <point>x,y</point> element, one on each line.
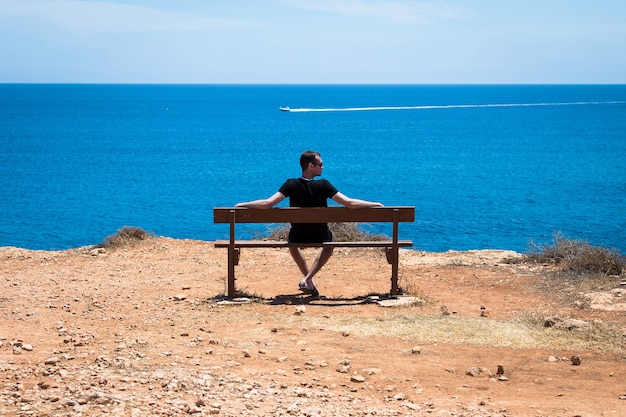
<point>308,157</point>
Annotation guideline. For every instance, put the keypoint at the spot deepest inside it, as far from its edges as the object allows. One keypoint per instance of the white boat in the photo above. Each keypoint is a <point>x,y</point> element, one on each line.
<point>286,108</point>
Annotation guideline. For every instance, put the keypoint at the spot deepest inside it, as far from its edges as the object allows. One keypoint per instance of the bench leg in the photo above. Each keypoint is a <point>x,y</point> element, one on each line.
<point>394,270</point>
<point>233,259</point>
<point>392,258</point>
<point>395,250</point>
<point>237,256</point>
<point>233,256</point>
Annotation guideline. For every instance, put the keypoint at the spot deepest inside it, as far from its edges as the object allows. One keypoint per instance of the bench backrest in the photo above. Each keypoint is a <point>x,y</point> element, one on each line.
<point>314,215</point>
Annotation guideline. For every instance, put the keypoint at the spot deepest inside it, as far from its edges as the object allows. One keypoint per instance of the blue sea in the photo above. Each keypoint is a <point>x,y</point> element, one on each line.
<point>486,166</point>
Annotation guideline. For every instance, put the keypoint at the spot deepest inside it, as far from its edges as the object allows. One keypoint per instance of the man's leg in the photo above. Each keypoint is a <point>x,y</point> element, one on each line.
<point>298,256</point>
<point>319,262</point>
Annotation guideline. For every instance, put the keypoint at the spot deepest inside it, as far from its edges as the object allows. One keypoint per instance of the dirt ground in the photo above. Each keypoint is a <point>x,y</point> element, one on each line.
<point>144,330</point>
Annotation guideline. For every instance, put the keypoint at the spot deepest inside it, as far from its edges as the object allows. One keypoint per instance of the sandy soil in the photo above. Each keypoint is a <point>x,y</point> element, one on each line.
<point>143,331</point>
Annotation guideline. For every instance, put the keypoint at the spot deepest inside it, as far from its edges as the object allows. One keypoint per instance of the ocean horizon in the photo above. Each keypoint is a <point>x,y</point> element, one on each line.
<point>486,166</point>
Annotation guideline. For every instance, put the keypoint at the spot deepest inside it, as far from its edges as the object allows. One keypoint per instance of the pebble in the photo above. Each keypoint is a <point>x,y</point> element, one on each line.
<point>52,361</point>
<point>357,378</point>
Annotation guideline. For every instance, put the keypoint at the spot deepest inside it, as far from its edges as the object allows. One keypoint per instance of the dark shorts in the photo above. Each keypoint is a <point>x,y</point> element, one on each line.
<point>310,235</point>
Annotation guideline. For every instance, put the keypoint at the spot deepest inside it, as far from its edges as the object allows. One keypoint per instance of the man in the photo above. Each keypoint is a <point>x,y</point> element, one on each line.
<point>308,192</point>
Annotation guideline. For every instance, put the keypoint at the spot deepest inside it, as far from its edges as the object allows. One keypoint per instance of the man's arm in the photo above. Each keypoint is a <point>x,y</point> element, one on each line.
<point>354,203</point>
<point>266,203</point>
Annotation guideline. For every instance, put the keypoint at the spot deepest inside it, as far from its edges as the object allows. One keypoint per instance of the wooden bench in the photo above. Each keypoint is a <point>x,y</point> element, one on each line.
<point>392,214</point>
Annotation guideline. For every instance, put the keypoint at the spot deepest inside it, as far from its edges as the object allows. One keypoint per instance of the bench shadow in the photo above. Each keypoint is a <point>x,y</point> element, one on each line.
<point>304,299</point>
<point>299,299</point>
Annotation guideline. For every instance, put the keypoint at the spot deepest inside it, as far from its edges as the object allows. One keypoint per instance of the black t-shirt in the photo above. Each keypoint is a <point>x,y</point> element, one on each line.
<point>308,193</point>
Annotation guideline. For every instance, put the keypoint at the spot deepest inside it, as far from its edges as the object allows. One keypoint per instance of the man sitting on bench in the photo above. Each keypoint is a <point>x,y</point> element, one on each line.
<point>308,192</point>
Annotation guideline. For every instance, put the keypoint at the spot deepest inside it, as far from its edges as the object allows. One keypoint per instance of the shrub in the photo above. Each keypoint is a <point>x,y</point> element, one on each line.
<point>578,256</point>
<point>126,236</point>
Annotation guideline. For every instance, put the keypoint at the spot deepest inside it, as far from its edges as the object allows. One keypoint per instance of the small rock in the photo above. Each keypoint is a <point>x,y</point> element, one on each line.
<point>343,369</point>
<point>52,361</point>
<point>27,347</point>
<point>572,324</point>
<point>417,350</point>
<point>344,366</point>
<point>180,297</point>
<point>551,321</point>
<point>399,301</point>
<point>500,370</point>
<point>474,371</point>
<point>575,360</point>
<point>553,359</point>
<point>357,378</point>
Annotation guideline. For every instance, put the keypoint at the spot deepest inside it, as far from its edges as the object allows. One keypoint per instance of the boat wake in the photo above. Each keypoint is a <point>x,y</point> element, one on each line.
<point>451,106</point>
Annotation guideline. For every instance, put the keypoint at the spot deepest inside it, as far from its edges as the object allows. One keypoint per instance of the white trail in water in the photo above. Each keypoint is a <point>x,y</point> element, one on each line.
<point>451,106</point>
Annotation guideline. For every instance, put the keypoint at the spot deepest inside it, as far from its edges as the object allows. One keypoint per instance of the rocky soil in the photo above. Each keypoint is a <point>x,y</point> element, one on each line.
<point>145,331</point>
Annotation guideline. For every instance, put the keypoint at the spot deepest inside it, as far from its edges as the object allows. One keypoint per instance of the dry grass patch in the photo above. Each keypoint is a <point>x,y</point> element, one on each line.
<point>524,332</point>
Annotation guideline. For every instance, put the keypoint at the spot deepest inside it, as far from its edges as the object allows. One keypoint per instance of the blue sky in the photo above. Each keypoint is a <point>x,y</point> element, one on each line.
<point>313,41</point>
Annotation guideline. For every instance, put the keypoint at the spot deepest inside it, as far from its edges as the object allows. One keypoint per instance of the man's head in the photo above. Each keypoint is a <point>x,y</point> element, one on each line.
<point>310,157</point>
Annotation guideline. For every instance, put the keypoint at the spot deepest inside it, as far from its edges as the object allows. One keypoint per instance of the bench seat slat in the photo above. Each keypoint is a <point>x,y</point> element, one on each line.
<point>285,244</point>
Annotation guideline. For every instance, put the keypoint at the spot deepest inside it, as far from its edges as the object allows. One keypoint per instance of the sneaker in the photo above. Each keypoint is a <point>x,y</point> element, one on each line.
<point>308,288</point>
